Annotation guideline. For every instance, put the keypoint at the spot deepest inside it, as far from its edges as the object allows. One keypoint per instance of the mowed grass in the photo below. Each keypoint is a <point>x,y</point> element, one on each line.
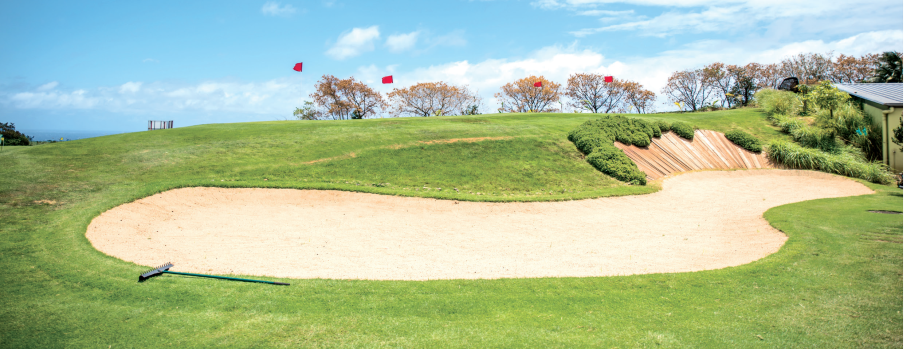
<point>837,282</point>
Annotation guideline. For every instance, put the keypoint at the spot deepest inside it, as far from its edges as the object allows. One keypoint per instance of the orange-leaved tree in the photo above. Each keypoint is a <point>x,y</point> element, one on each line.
<point>522,96</point>
<point>432,99</point>
<point>346,98</point>
<point>590,91</point>
<point>638,98</point>
<point>849,69</point>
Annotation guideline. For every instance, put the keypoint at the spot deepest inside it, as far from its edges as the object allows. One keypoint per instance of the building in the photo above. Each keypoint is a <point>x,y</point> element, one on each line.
<point>881,102</point>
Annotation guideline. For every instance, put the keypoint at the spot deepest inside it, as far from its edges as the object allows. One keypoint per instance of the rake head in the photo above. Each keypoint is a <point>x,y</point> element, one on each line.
<point>154,272</point>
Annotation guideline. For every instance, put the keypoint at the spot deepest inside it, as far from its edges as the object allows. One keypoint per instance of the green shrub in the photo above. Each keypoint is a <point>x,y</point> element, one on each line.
<point>613,162</point>
<point>595,139</point>
<point>812,137</point>
<point>683,129</point>
<point>844,123</point>
<point>663,125</point>
<point>744,140</point>
<point>786,123</point>
<point>844,163</point>
<point>778,102</point>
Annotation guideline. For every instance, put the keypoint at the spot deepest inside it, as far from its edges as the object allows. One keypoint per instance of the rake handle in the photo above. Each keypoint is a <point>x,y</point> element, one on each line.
<point>225,278</point>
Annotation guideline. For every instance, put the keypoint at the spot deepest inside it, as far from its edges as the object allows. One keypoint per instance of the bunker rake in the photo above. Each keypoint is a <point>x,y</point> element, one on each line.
<point>159,270</point>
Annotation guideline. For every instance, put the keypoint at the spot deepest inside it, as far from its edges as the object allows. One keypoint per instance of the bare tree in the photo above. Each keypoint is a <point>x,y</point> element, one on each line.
<point>721,80</point>
<point>591,92</point>
<point>808,68</point>
<point>691,88</point>
<point>522,96</point>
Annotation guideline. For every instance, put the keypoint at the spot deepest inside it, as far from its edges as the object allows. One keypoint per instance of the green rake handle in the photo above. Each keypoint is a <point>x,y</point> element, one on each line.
<point>159,270</point>
<point>225,278</point>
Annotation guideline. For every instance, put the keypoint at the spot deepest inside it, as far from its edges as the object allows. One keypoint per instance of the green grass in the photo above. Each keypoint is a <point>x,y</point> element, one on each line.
<point>836,283</point>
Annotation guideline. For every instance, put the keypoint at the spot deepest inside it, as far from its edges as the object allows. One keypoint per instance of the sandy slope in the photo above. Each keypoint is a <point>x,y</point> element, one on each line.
<point>699,221</point>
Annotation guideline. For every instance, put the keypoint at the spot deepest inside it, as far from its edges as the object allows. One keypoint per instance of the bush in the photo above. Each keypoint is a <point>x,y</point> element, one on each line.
<point>786,123</point>
<point>744,140</point>
<point>844,163</point>
<point>11,137</point>
<point>811,137</point>
<point>613,162</point>
<point>683,129</point>
<point>778,102</point>
<point>844,123</point>
<point>663,125</point>
<point>595,139</point>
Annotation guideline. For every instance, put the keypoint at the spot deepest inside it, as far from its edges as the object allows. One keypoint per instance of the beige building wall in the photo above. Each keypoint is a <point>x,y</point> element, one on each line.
<point>891,152</point>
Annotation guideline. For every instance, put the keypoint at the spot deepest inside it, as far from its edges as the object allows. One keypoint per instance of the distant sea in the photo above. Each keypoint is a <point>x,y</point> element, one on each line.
<point>44,135</point>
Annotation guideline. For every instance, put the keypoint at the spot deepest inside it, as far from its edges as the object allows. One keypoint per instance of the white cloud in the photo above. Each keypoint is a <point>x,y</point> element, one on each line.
<point>279,97</point>
<point>272,8</point>
<point>48,86</point>
<point>402,42</point>
<point>354,43</point>
<point>130,87</point>
<point>680,16</point>
<point>558,63</point>
<point>605,13</point>
<point>275,97</point>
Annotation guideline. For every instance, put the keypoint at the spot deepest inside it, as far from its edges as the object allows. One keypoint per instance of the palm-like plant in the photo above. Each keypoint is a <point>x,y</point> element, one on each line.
<point>888,68</point>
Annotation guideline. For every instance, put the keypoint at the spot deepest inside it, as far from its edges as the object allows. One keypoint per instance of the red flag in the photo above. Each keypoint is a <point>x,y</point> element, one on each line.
<point>538,84</point>
<point>297,67</point>
<point>387,79</point>
<point>607,79</point>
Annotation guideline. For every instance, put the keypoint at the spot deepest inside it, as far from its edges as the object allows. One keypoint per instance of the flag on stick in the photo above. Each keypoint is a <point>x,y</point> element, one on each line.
<point>387,79</point>
<point>297,67</point>
<point>607,79</point>
<point>538,84</point>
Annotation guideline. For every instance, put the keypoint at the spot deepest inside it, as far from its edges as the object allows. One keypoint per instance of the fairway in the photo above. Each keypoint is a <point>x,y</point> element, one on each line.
<point>704,220</point>
<point>834,282</point>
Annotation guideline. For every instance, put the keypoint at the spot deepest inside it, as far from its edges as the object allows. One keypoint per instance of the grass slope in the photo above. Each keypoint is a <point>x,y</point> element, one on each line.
<point>836,283</point>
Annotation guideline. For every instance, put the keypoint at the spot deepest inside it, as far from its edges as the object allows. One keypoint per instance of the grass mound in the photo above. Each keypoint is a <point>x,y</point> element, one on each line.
<point>595,139</point>
<point>744,140</point>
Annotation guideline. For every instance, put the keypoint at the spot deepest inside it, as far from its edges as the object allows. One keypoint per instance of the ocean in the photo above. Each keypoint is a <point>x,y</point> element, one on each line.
<point>44,135</point>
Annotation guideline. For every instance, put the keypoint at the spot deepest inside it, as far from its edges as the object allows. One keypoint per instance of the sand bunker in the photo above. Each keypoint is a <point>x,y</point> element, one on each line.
<point>699,221</point>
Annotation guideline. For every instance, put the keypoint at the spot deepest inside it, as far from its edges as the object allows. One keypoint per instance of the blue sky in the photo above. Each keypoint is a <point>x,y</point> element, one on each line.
<point>114,65</point>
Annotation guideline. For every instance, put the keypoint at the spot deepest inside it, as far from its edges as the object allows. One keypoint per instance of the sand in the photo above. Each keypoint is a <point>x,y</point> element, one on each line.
<point>699,221</point>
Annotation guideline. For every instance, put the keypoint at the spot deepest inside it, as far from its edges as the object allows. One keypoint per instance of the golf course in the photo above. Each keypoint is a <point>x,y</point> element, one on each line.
<point>831,276</point>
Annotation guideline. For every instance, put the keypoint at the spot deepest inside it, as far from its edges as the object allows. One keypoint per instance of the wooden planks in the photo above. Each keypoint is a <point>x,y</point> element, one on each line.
<point>710,150</point>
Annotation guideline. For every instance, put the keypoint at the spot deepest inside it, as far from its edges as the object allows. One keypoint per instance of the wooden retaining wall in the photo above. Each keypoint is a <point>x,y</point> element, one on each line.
<point>709,150</point>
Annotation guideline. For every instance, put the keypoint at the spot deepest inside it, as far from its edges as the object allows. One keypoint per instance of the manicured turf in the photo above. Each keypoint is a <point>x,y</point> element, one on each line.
<point>836,283</point>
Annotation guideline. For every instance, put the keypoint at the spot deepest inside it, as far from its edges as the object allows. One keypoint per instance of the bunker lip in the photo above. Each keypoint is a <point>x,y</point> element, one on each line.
<point>699,221</point>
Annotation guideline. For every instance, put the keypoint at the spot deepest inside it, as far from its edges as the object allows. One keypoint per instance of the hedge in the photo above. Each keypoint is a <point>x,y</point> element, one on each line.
<point>595,139</point>
<point>684,130</point>
<point>744,140</point>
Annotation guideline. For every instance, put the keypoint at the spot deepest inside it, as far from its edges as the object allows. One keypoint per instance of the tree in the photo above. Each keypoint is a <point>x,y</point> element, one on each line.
<point>591,92</point>
<point>342,98</point>
<point>721,80</point>
<point>827,96</point>
<point>12,137</point>
<point>849,69</point>
<point>691,88</point>
<point>522,96</point>
<point>308,112</point>
<point>888,68</point>
<point>637,97</point>
<point>744,85</point>
<point>427,99</point>
<point>808,68</point>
